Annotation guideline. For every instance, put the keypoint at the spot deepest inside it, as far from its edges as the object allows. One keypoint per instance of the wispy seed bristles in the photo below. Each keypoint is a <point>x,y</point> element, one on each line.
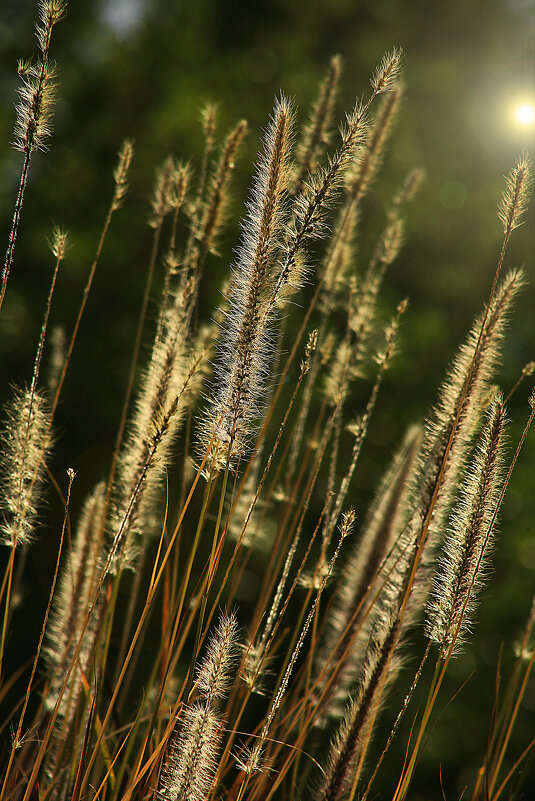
<point>120,173</point>
<point>386,75</point>
<point>245,350</point>
<point>37,95</point>
<point>50,12</point>
<point>516,194</point>
<point>470,374</point>
<point>58,242</point>
<point>25,446</point>
<point>169,189</point>
<point>213,214</point>
<point>466,549</point>
<point>316,133</point>
<point>214,673</point>
<point>192,759</point>
<point>71,604</point>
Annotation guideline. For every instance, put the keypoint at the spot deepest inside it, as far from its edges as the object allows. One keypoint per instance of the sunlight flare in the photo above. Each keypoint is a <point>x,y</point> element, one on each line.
<point>525,114</point>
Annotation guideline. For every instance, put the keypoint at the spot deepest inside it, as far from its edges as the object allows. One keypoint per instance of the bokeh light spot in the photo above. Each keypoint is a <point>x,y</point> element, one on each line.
<point>525,114</point>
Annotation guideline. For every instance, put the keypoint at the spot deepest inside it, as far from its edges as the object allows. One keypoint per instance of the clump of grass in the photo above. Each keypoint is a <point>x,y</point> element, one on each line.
<point>135,691</point>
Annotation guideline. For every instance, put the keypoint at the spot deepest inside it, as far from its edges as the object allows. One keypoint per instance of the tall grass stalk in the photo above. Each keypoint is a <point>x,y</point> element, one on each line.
<point>230,491</point>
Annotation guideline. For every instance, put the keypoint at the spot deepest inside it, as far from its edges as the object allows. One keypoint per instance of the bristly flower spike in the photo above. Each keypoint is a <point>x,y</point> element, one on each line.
<point>467,544</point>
<point>213,213</point>
<point>34,111</point>
<point>515,196</point>
<point>73,599</point>
<point>161,196</point>
<point>120,173</point>
<point>191,765</point>
<point>34,114</point>
<point>308,219</point>
<point>37,93</point>
<point>214,673</point>
<point>50,12</point>
<point>317,132</point>
<point>244,362</point>
<point>26,444</point>
<point>386,75</point>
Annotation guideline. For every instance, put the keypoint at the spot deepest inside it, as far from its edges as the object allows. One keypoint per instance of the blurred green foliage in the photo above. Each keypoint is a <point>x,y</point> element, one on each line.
<point>143,69</point>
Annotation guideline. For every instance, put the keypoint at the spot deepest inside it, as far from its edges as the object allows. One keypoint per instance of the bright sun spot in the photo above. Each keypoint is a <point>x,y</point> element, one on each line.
<point>525,114</point>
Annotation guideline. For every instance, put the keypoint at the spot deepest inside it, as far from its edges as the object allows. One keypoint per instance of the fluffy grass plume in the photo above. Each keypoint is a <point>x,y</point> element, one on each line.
<point>238,477</point>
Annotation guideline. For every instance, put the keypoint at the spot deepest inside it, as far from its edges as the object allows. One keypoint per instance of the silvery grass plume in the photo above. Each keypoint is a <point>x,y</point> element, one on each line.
<point>270,268</point>
<point>72,601</point>
<point>449,434</point>
<point>366,161</point>
<point>376,643</point>
<point>170,188</point>
<point>515,195</point>
<point>242,368</point>
<point>461,569</point>
<point>338,665</point>
<point>27,436</point>
<point>175,368</point>
<point>26,443</point>
<point>308,219</point>
<point>208,211</point>
<point>317,132</point>
<point>365,169</point>
<point>171,380</point>
<point>167,387</point>
<point>452,426</point>
<point>72,634</point>
<point>348,747</point>
<point>121,173</point>
<point>215,210</point>
<point>470,376</point>
<point>192,758</point>
<point>37,93</point>
<point>34,112</point>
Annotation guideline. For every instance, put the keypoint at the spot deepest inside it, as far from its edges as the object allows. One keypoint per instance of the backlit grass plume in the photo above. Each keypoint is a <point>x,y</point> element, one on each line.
<point>317,134</point>
<point>515,196</point>
<point>452,426</point>
<point>245,347</point>
<point>37,93</point>
<point>34,112</point>
<point>340,660</point>
<point>72,604</point>
<point>191,763</point>
<point>241,476</point>
<point>26,442</point>
<point>469,540</point>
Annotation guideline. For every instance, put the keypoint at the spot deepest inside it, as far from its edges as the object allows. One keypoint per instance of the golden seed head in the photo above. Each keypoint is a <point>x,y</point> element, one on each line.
<point>516,194</point>
<point>386,75</point>
<point>58,242</point>
<point>120,173</point>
